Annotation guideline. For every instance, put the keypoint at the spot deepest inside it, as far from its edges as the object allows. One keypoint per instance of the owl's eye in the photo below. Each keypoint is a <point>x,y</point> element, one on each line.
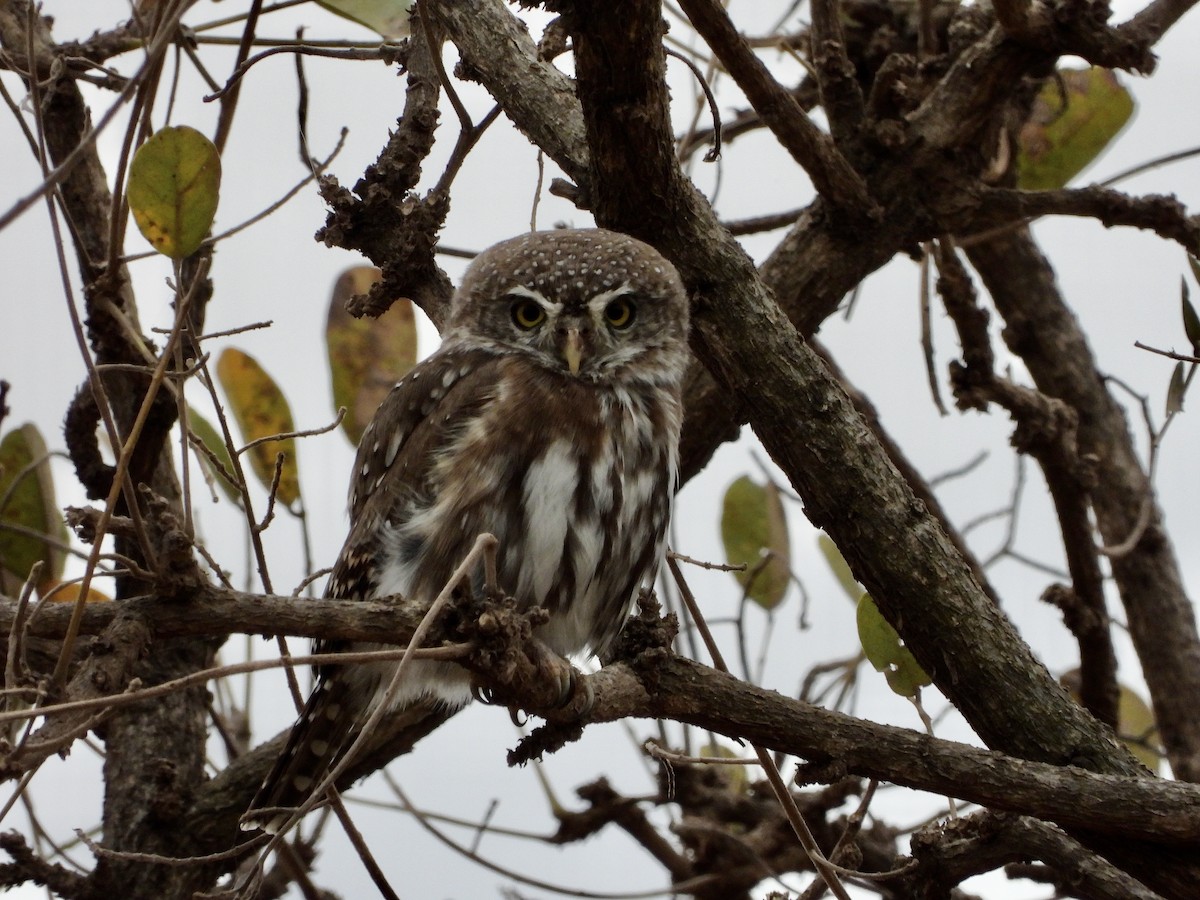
<point>527,314</point>
<point>620,313</point>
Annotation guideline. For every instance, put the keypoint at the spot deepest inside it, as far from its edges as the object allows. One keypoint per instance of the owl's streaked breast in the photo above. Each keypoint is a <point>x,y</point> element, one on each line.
<point>565,492</point>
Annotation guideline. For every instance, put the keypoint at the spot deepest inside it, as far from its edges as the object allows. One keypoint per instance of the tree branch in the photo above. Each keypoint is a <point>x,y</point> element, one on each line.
<point>1164,215</point>
<point>832,175</point>
<point>1042,330</point>
<point>807,424</point>
<point>382,217</point>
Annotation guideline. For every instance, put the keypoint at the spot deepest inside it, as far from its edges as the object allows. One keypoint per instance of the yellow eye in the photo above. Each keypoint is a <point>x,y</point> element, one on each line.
<point>620,313</point>
<point>527,314</point>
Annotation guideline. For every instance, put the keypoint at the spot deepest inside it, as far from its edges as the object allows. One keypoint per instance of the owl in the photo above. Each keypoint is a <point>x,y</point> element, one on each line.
<point>549,417</point>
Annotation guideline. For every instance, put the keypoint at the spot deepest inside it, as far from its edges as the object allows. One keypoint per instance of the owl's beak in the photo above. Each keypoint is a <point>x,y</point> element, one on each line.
<point>572,350</point>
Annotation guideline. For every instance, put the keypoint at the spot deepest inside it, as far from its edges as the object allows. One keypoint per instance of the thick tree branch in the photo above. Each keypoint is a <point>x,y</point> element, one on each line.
<point>684,691</point>
<point>663,685</point>
<point>841,95</point>
<point>154,752</point>
<point>1042,330</point>
<point>947,854</point>
<point>382,217</point>
<point>808,425</point>
<point>497,51</point>
<point>1152,22</point>
<point>1164,215</point>
<point>1047,430</point>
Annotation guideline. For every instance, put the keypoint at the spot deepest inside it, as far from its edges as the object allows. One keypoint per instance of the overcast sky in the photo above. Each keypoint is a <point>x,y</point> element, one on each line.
<point>1123,285</point>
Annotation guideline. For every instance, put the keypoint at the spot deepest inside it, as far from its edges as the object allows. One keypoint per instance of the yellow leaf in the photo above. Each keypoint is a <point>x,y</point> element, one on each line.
<point>69,593</point>
<point>736,775</point>
<point>27,501</point>
<point>174,183</point>
<point>261,410</point>
<point>366,356</point>
<point>1073,119</point>
<point>755,534</point>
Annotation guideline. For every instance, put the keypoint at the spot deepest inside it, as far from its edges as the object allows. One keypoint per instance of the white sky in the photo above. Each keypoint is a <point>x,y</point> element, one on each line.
<point>1123,285</point>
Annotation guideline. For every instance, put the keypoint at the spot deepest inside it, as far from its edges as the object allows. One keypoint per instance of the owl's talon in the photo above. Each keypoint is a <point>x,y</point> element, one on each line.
<point>483,694</point>
<point>575,692</point>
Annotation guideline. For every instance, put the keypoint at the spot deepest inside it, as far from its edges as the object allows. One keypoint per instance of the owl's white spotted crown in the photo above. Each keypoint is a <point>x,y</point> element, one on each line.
<point>574,265</point>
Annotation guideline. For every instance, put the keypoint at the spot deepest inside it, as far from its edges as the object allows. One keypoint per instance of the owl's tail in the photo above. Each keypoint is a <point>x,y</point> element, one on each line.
<point>318,740</point>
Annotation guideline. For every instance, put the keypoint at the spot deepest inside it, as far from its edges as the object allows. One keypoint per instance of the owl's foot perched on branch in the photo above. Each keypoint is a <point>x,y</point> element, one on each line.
<point>514,668</point>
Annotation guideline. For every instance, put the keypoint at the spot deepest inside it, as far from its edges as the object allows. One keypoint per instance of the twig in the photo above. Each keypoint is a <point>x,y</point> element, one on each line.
<point>714,111</point>
<point>119,479</point>
<point>363,851</point>
<point>832,175</point>
<point>683,887</point>
<point>137,694</point>
<point>716,567</point>
<point>656,750</point>
<point>786,801</point>
<point>102,852</point>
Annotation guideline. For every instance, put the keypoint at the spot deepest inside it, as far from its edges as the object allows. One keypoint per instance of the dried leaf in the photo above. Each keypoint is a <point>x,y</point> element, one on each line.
<point>1064,134</point>
<point>174,184</point>
<point>69,593</point>
<point>755,534</point>
<point>261,410</point>
<point>366,356</point>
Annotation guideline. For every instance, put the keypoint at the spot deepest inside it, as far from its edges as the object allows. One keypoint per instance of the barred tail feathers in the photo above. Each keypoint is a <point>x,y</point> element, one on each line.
<point>317,741</point>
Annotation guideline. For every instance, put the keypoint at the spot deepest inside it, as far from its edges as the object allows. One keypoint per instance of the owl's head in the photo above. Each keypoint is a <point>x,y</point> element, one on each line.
<point>586,303</point>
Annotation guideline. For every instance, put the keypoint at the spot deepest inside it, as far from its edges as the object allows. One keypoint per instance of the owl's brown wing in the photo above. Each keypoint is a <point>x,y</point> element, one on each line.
<point>391,478</point>
<point>420,416</point>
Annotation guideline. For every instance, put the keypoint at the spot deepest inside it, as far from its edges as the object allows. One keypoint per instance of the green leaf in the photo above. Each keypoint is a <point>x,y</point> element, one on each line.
<point>885,650</point>
<point>736,775</point>
<point>1073,119</point>
<point>1194,265</point>
<point>261,410</point>
<point>1176,390</point>
<point>388,18</point>
<point>1135,721</point>
<point>1137,729</point>
<point>755,534</point>
<point>837,564</point>
<point>215,444</point>
<point>1191,322</point>
<point>174,182</point>
<point>27,500</point>
<point>366,356</point>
